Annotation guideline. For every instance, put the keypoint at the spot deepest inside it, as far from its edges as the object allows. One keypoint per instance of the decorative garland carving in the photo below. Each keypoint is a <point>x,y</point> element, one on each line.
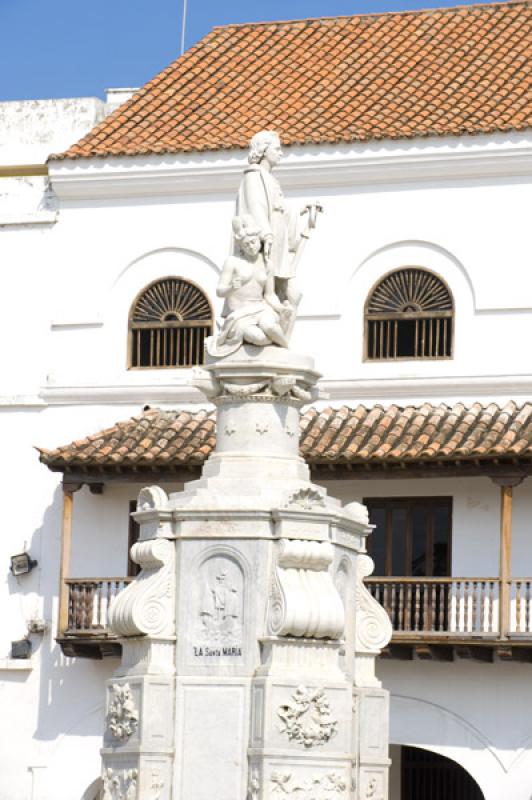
<point>373,627</point>
<point>147,605</point>
<point>288,387</point>
<point>306,718</point>
<point>120,784</point>
<point>303,599</point>
<point>319,787</point>
<point>122,716</point>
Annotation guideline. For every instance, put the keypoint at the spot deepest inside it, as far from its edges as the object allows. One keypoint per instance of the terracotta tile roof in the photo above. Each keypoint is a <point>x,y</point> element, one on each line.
<point>165,440</point>
<point>463,70</point>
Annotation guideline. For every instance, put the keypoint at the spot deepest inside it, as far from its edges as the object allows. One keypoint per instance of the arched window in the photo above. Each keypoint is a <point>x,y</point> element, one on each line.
<point>168,324</point>
<point>409,314</point>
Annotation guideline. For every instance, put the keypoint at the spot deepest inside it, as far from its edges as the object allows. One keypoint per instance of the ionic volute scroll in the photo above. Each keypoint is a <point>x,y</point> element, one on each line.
<point>373,629</point>
<point>303,599</point>
<point>147,606</point>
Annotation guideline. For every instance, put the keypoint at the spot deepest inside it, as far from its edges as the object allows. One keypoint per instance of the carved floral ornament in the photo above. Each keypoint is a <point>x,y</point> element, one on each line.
<point>122,716</point>
<point>306,718</point>
<point>307,499</point>
<point>318,787</point>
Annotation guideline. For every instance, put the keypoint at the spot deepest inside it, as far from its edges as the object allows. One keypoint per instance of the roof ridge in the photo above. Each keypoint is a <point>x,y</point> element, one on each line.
<point>372,15</point>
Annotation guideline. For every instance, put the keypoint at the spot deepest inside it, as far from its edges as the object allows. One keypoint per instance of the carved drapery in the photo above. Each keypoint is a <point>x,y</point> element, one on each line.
<point>304,600</point>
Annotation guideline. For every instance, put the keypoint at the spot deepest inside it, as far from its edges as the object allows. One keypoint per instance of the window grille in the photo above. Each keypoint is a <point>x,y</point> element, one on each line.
<point>409,314</point>
<point>428,775</point>
<point>168,324</point>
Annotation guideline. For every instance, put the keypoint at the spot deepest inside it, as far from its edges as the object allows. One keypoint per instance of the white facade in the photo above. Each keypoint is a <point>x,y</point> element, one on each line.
<point>458,207</point>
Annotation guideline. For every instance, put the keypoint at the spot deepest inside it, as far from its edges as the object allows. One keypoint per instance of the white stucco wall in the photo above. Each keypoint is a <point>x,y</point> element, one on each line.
<point>476,714</point>
<point>64,324</point>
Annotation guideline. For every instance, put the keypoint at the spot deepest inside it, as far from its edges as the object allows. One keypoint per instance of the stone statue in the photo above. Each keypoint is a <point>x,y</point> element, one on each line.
<point>261,196</point>
<point>258,278</point>
<point>252,312</point>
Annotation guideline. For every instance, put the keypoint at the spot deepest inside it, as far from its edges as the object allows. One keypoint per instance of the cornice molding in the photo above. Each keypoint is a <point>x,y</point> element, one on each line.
<point>354,390</point>
<point>33,218</point>
<point>137,394</point>
<point>420,160</point>
<point>451,386</point>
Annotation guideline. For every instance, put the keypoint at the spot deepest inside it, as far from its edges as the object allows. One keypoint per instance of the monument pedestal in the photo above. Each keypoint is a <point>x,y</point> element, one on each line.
<point>249,639</point>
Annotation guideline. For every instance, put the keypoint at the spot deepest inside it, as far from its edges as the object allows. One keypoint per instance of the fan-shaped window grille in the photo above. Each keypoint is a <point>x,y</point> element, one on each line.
<point>409,314</point>
<point>168,324</point>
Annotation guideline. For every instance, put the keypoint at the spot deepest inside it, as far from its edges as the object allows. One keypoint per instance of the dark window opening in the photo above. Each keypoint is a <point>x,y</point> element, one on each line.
<point>133,537</point>
<point>168,325</point>
<point>412,542</point>
<point>412,536</point>
<point>409,314</point>
<point>429,776</point>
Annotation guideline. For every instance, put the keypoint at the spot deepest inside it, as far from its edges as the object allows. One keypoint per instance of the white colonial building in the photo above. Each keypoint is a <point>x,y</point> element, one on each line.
<point>413,131</point>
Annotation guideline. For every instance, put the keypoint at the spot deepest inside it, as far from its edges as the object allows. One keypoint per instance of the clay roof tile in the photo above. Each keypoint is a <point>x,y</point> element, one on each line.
<point>444,71</point>
<point>358,435</point>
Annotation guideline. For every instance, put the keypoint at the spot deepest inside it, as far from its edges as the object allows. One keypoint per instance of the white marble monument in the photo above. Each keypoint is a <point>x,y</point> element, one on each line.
<point>248,638</point>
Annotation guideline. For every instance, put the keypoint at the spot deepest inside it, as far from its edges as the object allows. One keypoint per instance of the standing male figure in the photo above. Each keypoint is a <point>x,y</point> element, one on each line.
<point>261,197</point>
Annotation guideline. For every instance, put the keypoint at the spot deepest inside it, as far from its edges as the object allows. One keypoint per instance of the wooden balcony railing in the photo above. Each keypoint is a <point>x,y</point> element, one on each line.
<point>89,601</point>
<point>520,590</point>
<point>420,608</point>
<point>453,607</point>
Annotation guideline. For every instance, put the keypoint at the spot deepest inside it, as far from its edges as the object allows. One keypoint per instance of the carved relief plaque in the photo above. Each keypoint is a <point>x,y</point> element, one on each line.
<point>122,716</point>
<point>217,633</point>
<point>306,717</point>
<point>320,786</point>
<point>119,784</point>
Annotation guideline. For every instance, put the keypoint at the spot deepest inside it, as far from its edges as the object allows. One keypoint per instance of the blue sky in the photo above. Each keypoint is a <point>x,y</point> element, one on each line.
<point>70,48</point>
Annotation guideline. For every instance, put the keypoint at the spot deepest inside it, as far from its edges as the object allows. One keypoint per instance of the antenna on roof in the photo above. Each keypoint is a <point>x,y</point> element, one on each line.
<point>183,26</point>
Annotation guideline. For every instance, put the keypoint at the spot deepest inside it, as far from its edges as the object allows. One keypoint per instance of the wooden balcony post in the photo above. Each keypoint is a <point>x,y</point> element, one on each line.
<point>66,547</point>
<point>506,483</point>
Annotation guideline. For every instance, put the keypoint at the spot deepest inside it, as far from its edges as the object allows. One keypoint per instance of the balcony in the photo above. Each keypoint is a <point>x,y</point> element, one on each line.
<point>442,618</point>
<point>85,632</point>
<point>438,618</point>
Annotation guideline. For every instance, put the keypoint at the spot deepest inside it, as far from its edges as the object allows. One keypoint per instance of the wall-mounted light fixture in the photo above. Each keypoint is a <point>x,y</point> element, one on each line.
<point>21,564</point>
<point>21,649</point>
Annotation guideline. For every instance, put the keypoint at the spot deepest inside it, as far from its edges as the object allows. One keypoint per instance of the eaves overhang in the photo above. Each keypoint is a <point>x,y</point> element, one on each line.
<point>324,166</point>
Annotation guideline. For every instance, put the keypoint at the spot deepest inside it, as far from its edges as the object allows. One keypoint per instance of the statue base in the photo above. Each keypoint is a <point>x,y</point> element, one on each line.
<point>258,575</point>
